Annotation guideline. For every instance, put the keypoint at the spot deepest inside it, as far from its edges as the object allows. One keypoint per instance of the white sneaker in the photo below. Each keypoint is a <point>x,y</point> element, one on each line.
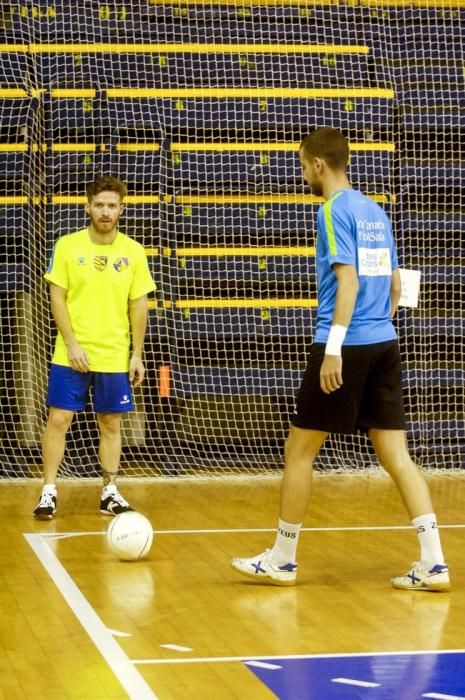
<point>263,569</point>
<point>422,579</point>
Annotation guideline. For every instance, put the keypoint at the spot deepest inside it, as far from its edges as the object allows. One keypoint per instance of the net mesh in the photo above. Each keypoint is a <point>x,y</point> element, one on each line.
<point>200,109</point>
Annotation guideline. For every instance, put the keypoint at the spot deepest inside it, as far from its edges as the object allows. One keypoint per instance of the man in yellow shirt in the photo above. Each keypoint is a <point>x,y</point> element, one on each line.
<point>99,280</point>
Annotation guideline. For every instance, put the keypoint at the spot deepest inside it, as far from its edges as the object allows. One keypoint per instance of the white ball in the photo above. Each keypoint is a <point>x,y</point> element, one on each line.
<point>130,536</point>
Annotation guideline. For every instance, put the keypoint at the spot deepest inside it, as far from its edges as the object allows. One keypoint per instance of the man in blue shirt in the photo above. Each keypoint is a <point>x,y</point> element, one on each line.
<point>353,376</point>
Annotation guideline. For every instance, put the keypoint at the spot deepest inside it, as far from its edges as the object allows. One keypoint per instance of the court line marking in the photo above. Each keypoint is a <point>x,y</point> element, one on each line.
<point>441,696</point>
<point>262,664</point>
<point>286,657</point>
<point>176,647</point>
<point>352,681</point>
<point>121,666</point>
<point>354,528</point>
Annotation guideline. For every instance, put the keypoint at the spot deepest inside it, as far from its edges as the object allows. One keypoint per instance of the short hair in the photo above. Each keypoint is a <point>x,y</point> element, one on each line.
<point>107,183</point>
<point>329,144</point>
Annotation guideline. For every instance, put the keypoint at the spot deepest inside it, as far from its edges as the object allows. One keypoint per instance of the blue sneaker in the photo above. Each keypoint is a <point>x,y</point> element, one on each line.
<point>421,579</point>
<point>264,569</point>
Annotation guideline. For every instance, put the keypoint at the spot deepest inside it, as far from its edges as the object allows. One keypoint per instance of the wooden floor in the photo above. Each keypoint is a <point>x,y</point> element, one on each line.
<point>185,593</point>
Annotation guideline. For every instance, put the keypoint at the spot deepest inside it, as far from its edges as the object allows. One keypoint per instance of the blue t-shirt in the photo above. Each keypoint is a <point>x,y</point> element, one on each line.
<point>354,230</point>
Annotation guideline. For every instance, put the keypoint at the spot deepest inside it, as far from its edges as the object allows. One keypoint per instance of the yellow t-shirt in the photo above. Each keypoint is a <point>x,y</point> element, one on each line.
<point>100,280</point>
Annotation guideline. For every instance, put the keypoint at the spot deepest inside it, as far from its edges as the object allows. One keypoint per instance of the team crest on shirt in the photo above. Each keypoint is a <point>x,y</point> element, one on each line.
<point>121,264</point>
<point>100,262</point>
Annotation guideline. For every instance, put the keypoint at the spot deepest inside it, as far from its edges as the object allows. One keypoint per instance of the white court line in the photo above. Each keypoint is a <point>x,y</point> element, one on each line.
<point>441,696</point>
<point>286,657</point>
<point>176,647</point>
<point>131,680</point>
<point>124,668</point>
<point>352,681</point>
<point>213,531</point>
<point>262,664</point>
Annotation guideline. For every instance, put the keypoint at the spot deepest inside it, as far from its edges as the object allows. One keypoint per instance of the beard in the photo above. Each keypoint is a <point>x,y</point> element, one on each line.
<point>103,227</point>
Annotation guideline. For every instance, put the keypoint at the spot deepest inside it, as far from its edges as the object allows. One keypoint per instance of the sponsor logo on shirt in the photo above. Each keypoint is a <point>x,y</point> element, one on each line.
<point>81,260</point>
<point>370,231</point>
<point>121,264</point>
<point>371,236</point>
<point>374,262</point>
<point>100,262</point>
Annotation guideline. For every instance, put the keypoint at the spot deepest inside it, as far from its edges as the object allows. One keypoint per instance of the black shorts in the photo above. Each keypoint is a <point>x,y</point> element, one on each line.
<point>370,396</point>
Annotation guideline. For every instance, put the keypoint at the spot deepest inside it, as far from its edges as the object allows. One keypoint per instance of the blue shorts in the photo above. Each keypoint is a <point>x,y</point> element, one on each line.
<point>69,389</point>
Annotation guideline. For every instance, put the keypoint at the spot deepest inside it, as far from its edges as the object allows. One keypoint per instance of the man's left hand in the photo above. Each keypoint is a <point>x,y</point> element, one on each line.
<point>136,370</point>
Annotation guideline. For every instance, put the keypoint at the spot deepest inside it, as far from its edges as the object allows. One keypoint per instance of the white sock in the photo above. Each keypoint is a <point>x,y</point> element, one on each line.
<point>50,488</point>
<point>430,543</point>
<point>109,488</point>
<point>285,546</point>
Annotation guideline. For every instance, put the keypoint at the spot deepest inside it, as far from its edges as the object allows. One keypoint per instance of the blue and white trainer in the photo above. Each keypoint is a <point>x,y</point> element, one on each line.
<point>264,569</point>
<point>421,578</point>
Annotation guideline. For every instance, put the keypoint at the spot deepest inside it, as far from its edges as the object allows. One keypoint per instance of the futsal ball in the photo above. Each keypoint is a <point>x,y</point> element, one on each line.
<point>130,536</point>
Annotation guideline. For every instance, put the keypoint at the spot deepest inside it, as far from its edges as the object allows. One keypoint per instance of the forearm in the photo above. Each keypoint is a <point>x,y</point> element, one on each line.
<point>395,292</point>
<point>345,303</point>
<point>138,319</point>
<point>346,295</point>
<point>61,315</point>
<point>77,357</point>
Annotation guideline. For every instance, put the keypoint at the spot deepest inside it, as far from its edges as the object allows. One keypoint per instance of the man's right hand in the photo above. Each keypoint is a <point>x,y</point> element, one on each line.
<point>78,358</point>
<point>331,373</point>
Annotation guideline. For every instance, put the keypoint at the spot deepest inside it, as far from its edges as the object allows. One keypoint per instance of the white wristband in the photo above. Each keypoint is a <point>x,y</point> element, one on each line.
<point>335,339</point>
